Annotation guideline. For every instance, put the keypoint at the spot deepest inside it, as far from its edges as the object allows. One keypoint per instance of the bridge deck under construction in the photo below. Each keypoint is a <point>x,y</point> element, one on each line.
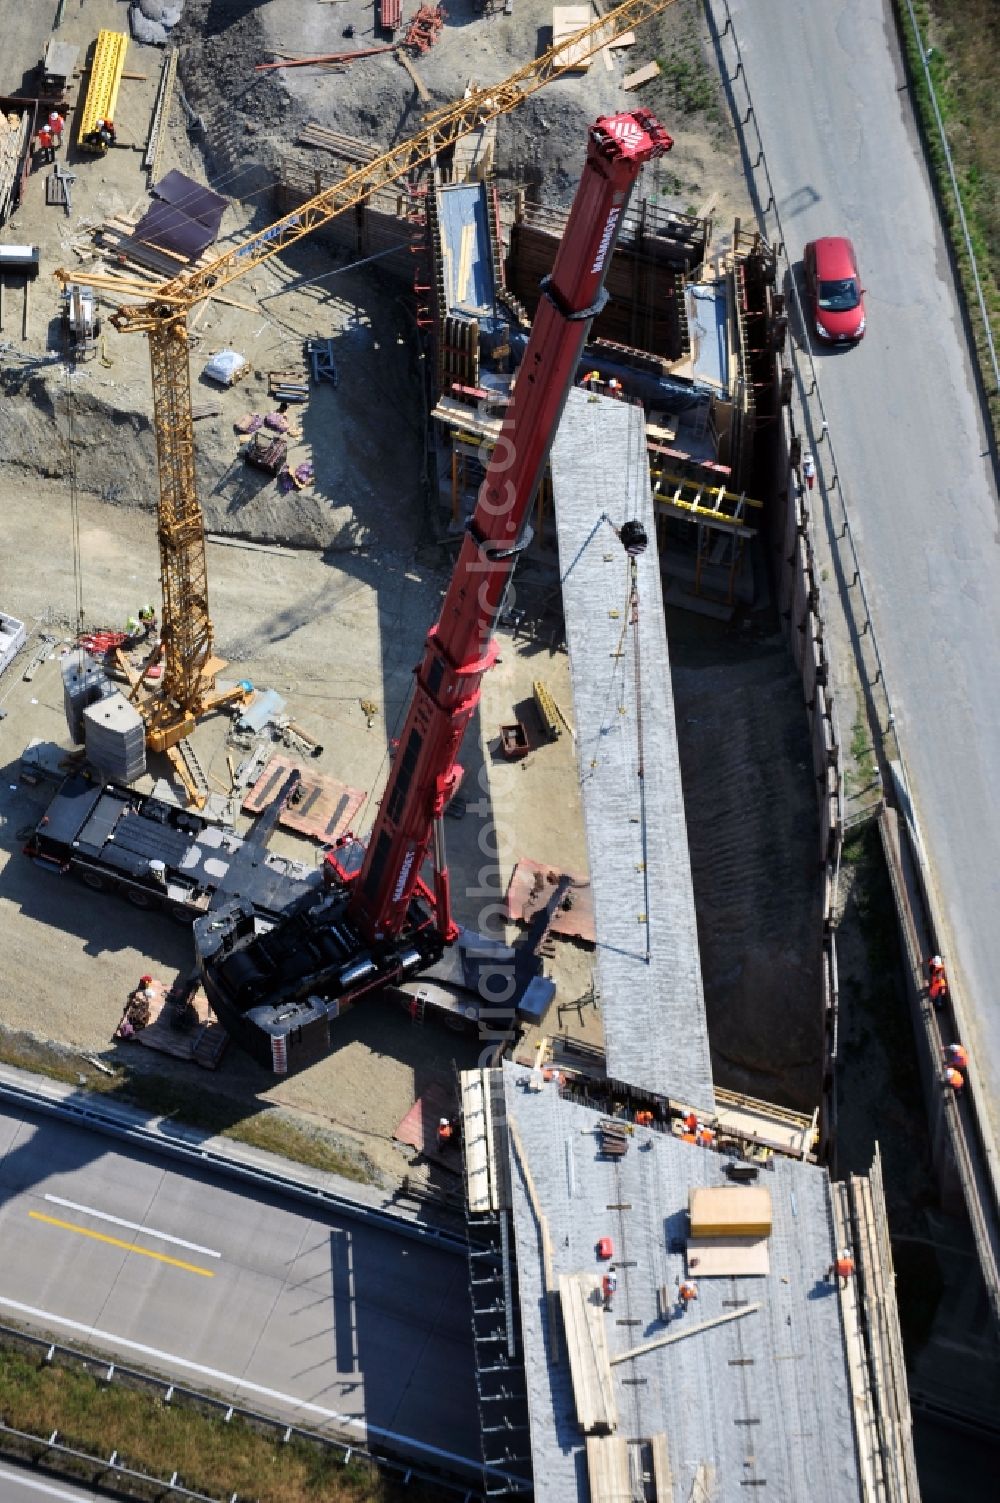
<point>648,966</point>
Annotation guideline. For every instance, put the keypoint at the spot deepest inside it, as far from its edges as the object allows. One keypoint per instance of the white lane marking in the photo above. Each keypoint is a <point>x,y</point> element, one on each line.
<point>46,1319</point>
<point>42,1487</point>
<point>133,1226</point>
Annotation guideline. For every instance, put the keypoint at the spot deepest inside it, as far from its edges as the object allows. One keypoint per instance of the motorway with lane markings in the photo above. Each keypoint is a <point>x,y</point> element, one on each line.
<point>18,1485</point>
<point>831,103</point>
<point>328,1322</point>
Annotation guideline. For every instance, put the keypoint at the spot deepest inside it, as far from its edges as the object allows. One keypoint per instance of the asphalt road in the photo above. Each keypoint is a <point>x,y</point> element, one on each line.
<point>18,1485</point>
<point>830,99</point>
<point>330,1324</point>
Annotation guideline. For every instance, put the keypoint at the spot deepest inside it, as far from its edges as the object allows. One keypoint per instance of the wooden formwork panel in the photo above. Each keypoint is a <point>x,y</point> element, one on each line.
<point>643,303</point>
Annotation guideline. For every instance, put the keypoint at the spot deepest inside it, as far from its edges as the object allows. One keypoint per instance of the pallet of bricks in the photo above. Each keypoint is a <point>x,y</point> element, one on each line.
<point>101,100</point>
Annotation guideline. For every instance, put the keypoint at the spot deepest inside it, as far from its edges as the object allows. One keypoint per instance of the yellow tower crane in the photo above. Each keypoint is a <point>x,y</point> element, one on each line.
<point>187,691</point>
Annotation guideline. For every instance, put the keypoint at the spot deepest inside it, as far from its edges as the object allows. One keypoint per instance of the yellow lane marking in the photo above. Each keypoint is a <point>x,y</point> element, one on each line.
<point>143,1252</point>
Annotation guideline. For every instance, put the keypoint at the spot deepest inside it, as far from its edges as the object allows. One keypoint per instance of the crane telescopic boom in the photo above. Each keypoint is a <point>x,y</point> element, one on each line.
<point>376,922</point>
<point>460,646</point>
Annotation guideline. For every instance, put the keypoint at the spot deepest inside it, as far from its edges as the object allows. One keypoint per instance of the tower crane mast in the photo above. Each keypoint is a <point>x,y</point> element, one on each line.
<point>189,666</point>
<point>276,987</point>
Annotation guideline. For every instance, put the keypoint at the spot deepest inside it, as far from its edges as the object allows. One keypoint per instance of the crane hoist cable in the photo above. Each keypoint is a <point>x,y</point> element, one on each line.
<point>635,541</point>
<point>74,495</point>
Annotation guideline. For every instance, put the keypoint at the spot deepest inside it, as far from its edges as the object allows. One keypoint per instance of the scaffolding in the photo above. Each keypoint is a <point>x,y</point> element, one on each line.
<point>496,1323</point>
<point>720,519</point>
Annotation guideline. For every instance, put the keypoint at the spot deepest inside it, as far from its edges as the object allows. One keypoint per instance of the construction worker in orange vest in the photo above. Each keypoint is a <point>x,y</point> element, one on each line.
<point>954,1078</point>
<point>446,1133</point>
<point>937,988</point>
<point>690,1122</point>
<point>842,1268</point>
<point>609,1284</point>
<point>644,1118</point>
<point>46,145</point>
<point>687,1292</point>
<point>957,1056</point>
<point>704,1136</point>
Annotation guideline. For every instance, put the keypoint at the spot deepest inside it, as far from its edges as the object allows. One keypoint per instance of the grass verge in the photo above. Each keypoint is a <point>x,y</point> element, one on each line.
<point>209,1455</point>
<point>963,38</point>
<point>209,1111</point>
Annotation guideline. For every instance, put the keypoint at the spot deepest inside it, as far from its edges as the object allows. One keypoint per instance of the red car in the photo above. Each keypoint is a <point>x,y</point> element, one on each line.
<point>835,289</point>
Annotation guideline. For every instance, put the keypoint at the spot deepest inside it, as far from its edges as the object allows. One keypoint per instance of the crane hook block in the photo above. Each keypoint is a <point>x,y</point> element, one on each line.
<point>633,537</point>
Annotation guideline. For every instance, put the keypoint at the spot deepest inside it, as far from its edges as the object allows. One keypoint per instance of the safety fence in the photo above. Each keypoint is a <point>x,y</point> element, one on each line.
<point>799,604</point>
<point>816,430</point>
<point>57,1455</point>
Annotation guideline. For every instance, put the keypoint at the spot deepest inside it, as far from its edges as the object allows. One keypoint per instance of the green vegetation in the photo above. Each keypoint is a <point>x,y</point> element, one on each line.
<point>693,89</point>
<point>963,40</point>
<point>210,1456</point>
<point>210,1111</point>
<point>860,776</point>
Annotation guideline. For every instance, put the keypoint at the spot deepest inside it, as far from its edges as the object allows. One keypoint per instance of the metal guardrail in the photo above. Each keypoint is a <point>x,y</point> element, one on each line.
<point>108,1471</point>
<point>868,656</point>
<point>87,1113</point>
<point>956,194</point>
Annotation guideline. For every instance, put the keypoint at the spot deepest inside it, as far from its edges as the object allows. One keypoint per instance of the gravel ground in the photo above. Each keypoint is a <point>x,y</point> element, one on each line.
<point>345,621</point>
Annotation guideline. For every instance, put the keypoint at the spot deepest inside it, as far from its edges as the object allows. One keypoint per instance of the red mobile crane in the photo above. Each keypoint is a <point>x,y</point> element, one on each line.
<point>276,988</point>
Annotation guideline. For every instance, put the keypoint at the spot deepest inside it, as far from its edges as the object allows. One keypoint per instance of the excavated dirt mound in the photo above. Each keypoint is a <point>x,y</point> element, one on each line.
<point>253,118</point>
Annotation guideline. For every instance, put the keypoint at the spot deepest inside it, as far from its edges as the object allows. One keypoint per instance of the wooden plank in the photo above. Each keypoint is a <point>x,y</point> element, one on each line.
<point>479,1188</point>
<point>418,82</point>
<point>627,39</point>
<point>464,260</point>
<point>728,1257</point>
<point>567,20</point>
<point>641,75</point>
<point>548,1277</point>
<point>607,1469</point>
<point>705,1325</point>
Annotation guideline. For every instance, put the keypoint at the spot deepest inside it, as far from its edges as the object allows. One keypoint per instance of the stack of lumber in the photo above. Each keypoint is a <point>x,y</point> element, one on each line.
<point>117,241</point>
<point>347,148</point>
<point>14,130</point>
<point>587,1348</point>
